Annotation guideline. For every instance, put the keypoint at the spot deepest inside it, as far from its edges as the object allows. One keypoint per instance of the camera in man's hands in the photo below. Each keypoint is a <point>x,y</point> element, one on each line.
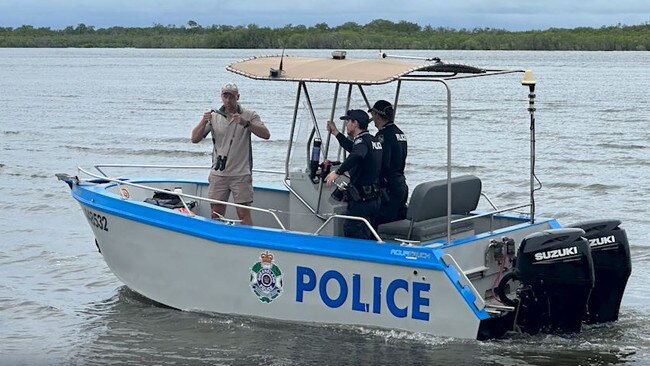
<point>221,163</point>
<point>340,192</point>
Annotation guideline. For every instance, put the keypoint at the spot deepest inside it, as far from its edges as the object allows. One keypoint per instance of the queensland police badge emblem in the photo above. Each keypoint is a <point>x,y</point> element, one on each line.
<point>266,278</point>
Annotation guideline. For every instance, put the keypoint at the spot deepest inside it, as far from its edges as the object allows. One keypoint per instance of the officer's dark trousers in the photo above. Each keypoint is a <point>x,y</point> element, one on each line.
<point>394,207</point>
<point>365,209</point>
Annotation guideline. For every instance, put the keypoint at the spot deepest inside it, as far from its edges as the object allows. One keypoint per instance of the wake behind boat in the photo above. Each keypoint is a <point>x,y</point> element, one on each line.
<point>447,269</point>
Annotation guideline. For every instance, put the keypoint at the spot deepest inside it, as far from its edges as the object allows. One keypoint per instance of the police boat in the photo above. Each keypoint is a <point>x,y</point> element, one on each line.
<point>447,269</point>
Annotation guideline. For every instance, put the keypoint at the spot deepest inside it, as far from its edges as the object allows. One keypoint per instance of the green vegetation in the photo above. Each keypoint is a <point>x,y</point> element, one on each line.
<point>378,34</point>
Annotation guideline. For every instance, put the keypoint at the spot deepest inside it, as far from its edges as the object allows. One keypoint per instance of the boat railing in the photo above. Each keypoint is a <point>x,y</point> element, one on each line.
<point>356,218</point>
<point>179,194</point>
<point>489,200</point>
<point>154,166</point>
<point>327,221</point>
<point>463,281</point>
<point>490,214</point>
<point>295,194</point>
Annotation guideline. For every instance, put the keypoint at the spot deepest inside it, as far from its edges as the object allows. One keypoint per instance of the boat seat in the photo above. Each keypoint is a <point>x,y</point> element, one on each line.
<point>426,217</point>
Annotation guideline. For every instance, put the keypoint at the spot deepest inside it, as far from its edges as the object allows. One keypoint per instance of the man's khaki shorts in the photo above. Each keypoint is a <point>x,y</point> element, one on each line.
<point>241,187</point>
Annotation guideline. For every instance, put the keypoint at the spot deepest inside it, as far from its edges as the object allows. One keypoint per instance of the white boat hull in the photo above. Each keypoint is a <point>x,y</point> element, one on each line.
<point>191,273</point>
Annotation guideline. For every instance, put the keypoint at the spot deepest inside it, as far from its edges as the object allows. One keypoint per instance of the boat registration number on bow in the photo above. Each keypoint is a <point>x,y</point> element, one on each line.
<point>97,220</point>
<point>308,283</point>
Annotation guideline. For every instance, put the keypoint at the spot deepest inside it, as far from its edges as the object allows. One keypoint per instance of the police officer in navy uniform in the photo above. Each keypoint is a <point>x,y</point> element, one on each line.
<point>391,179</point>
<point>363,163</point>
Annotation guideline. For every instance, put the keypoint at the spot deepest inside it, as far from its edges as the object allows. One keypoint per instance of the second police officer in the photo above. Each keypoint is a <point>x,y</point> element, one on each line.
<point>391,179</point>
<point>364,164</point>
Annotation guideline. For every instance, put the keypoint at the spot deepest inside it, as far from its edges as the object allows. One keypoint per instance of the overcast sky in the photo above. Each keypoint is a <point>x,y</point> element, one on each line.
<point>507,14</point>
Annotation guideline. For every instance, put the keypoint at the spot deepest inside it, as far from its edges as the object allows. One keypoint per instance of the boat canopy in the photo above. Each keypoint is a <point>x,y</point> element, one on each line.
<point>363,72</point>
<point>326,70</point>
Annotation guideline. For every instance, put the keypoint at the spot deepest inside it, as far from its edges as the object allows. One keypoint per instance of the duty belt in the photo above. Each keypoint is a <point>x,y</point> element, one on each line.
<point>363,193</point>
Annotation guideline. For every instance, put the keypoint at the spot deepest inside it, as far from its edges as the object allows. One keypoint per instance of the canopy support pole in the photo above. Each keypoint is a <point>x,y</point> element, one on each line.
<point>327,146</point>
<point>293,129</point>
<point>399,87</point>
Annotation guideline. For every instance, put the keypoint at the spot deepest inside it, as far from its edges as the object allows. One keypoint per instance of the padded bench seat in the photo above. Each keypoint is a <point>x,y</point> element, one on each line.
<point>423,230</point>
<point>426,218</point>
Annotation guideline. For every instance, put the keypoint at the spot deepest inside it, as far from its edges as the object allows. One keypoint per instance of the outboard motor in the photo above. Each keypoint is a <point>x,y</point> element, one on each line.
<point>557,274</point>
<point>610,252</point>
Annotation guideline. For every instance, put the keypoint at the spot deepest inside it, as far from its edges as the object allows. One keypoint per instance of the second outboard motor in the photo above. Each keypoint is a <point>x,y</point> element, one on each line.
<point>610,252</point>
<point>556,272</point>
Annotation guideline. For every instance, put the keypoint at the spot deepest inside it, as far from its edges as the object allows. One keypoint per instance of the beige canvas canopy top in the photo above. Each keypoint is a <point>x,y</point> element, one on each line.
<point>326,70</point>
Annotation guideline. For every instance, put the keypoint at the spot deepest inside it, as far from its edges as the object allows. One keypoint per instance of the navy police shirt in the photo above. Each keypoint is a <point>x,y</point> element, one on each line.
<point>393,142</point>
<point>364,161</point>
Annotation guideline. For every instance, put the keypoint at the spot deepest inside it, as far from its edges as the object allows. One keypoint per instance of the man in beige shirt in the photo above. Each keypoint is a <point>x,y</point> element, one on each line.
<point>232,159</point>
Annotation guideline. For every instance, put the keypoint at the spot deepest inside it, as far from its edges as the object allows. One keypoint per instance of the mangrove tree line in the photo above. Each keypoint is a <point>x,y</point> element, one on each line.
<point>378,34</point>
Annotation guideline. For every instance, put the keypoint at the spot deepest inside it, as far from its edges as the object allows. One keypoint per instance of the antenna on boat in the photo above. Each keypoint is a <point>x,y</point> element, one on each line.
<point>274,73</point>
<point>385,55</point>
<point>529,81</point>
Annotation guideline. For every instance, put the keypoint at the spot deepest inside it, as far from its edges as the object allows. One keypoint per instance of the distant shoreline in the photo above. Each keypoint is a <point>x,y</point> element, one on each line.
<point>378,34</point>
